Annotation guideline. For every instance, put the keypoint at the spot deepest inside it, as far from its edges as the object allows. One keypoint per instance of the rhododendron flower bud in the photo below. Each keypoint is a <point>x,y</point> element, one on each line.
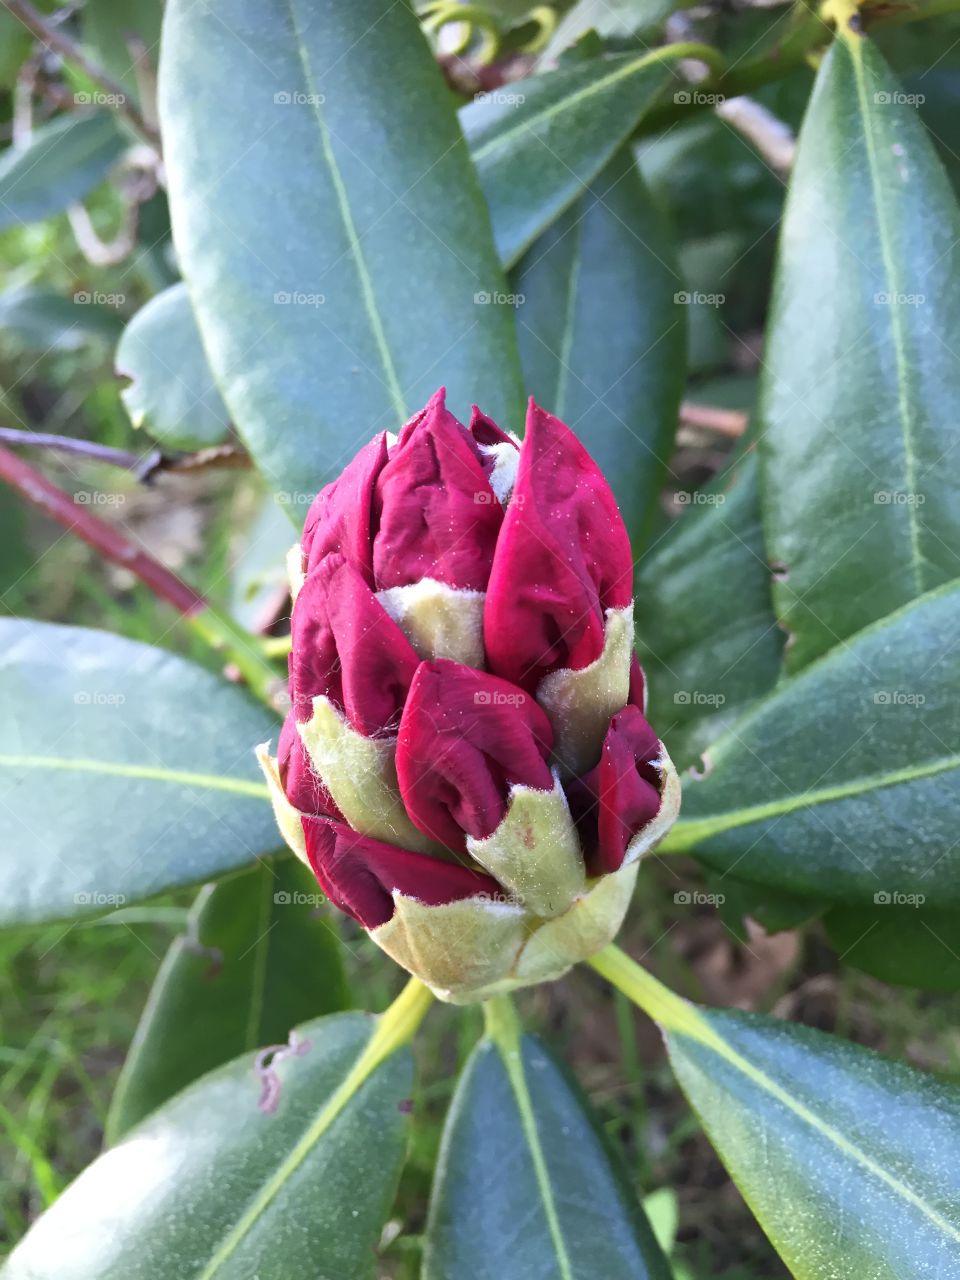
<point>467,767</point>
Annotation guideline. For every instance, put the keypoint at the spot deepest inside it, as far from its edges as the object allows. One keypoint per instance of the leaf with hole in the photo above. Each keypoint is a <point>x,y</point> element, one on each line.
<point>214,1185</point>
<point>257,958</point>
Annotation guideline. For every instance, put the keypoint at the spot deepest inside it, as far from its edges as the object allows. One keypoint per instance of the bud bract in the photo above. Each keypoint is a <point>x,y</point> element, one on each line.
<point>466,766</point>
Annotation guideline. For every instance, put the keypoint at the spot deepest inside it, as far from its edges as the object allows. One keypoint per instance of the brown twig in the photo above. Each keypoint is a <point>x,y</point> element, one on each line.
<point>58,41</point>
<point>217,629</point>
<point>103,537</point>
<point>725,422</point>
<point>144,466</point>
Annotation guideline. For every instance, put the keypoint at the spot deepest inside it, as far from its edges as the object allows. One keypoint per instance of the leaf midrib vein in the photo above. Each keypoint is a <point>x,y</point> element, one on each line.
<point>896,324</point>
<point>350,228</point>
<point>686,833</point>
<point>149,773</point>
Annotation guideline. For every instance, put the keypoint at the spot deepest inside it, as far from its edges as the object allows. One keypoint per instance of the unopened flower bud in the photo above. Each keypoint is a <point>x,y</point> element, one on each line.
<point>467,767</point>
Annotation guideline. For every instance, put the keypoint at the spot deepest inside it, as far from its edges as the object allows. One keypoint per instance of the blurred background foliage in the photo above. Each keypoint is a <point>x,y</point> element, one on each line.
<point>71,279</point>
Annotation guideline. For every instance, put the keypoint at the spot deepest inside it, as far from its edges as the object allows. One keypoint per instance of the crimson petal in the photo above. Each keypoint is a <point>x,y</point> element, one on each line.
<point>437,516</point>
<point>563,558</point>
<point>346,646</point>
<point>304,789</point>
<point>341,515</point>
<point>618,797</point>
<point>358,874</point>
<point>465,738</point>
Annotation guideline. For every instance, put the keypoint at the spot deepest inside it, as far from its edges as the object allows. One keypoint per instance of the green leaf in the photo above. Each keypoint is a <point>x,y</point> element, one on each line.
<point>907,944</point>
<point>331,229</point>
<point>617,386</point>
<point>260,571</point>
<point>124,771</point>
<point>521,1151</point>
<point>214,1186</point>
<point>41,319</point>
<point>172,394</point>
<point>858,403</point>
<point>845,781</point>
<point>62,162</point>
<point>707,636</point>
<point>256,960</point>
<point>851,1163</point>
<point>537,145</point>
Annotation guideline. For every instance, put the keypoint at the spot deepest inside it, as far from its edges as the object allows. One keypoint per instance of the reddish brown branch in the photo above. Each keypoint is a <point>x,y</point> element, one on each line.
<point>111,544</point>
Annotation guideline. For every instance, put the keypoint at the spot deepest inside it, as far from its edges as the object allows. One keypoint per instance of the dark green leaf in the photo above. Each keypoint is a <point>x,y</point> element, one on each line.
<point>124,771</point>
<point>331,229</point>
<point>707,636</point>
<point>41,319</point>
<point>61,163</point>
<point>524,1186</point>
<point>172,394</point>
<point>908,944</point>
<point>862,380</point>
<point>618,386</point>
<point>845,781</point>
<point>850,1163</point>
<point>538,144</point>
<point>214,1186</point>
<point>257,958</point>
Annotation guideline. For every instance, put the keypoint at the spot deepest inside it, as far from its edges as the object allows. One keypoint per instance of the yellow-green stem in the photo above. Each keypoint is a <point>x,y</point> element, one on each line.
<point>244,650</point>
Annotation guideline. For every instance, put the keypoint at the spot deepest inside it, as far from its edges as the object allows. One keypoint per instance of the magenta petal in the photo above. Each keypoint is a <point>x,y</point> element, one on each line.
<point>358,874</point>
<point>465,738</point>
<point>348,648</point>
<point>304,789</point>
<point>563,558</point>
<point>617,798</point>
<point>341,515</point>
<point>437,516</point>
<point>485,431</point>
